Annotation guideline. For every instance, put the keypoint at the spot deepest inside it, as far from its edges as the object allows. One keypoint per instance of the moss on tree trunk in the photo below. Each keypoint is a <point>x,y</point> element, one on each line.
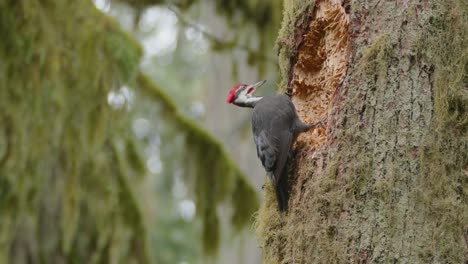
<point>387,181</point>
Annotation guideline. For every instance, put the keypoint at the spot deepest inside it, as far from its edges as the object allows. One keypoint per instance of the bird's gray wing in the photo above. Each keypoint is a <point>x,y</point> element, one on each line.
<point>267,150</point>
<point>285,139</point>
<point>273,152</point>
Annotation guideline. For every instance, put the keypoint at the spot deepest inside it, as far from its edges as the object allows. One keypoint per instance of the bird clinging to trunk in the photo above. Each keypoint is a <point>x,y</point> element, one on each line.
<point>275,127</point>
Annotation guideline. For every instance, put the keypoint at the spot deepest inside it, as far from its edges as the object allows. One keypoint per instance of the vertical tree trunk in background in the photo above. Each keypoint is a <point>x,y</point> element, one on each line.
<point>387,181</point>
<point>242,249</point>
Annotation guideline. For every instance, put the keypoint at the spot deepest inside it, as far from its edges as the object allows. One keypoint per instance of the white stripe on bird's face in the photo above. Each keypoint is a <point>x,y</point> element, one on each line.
<point>244,94</point>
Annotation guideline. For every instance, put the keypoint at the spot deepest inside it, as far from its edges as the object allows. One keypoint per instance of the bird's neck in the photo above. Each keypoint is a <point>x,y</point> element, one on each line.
<point>248,102</point>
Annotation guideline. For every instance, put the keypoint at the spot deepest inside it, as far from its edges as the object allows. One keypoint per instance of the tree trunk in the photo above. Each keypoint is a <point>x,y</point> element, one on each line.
<point>387,180</point>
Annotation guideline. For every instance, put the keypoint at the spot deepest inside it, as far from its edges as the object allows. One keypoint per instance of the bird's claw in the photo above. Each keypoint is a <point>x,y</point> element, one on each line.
<point>320,122</point>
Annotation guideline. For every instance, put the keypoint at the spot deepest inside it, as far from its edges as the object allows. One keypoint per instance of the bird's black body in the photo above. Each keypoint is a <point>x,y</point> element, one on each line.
<point>275,127</point>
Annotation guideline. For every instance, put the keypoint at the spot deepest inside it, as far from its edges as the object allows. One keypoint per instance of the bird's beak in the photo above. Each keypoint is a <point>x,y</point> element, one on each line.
<point>254,86</point>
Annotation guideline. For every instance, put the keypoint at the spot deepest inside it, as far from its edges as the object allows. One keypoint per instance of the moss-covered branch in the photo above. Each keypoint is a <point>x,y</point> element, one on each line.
<point>211,172</point>
<point>67,157</point>
<point>242,16</point>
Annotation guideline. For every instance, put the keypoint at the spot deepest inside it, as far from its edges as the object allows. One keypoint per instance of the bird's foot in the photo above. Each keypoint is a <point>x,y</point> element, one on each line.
<point>320,122</point>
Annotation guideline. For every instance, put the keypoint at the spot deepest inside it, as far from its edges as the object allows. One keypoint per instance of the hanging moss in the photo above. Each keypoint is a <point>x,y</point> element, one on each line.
<point>209,171</point>
<point>244,200</point>
<point>131,210</point>
<point>67,159</point>
<point>444,189</point>
<point>59,61</point>
<point>134,158</point>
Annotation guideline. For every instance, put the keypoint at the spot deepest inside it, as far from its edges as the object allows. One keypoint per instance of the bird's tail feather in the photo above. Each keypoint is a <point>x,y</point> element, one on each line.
<point>282,192</point>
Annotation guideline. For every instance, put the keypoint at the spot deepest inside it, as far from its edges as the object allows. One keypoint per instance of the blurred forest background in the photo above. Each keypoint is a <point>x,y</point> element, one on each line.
<point>116,144</point>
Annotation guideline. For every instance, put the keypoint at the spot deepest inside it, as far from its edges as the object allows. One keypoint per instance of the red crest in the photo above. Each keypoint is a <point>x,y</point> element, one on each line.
<point>232,94</point>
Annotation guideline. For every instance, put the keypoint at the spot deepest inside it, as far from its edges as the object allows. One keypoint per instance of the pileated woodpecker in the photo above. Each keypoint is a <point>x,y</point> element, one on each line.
<point>275,127</point>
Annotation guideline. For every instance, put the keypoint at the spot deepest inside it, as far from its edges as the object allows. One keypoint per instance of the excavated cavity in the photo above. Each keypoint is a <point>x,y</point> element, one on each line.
<point>320,64</point>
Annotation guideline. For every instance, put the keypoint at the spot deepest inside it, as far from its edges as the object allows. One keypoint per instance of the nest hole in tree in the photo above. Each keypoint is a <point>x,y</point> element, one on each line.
<point>321,64</point>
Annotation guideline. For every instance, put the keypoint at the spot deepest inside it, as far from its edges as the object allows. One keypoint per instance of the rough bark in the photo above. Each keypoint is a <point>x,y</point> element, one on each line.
<point>387,181</point>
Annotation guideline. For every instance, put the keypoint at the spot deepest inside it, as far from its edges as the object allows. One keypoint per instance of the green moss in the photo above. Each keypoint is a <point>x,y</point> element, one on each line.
<point>375,58</point>
<point>271,237</point>
<point>133,157</point>
<point>131,211</point>
<point>269,222</point>
<point>214,177</point>
<point>67,159</point>
<point>245,202</point>
<point>167,105</point>
<point>294,15</point>
<point>59,61</point>
<point>373,197</point>
<point>445,154</point>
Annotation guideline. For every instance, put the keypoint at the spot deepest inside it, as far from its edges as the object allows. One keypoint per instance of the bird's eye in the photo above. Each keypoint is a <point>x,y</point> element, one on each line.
<point>240,89</point>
